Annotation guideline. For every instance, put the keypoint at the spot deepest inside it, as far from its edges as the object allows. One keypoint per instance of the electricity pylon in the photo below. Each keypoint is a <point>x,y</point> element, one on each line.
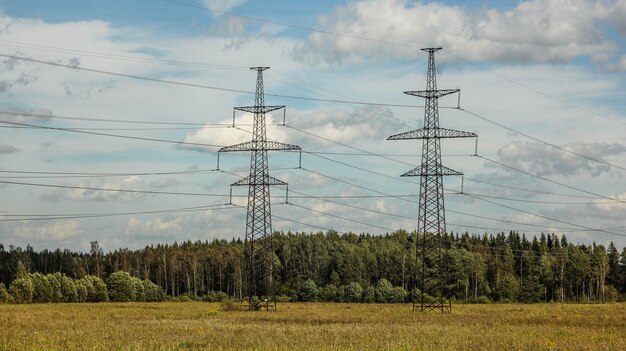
<point>258,251</point>
<point>431,273</point>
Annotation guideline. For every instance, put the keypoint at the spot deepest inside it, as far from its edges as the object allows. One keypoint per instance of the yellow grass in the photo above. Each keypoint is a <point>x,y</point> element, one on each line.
<point>311,326</point>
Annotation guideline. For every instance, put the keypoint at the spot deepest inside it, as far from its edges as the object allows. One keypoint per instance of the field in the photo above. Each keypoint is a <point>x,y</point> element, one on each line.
<point>311,326</point>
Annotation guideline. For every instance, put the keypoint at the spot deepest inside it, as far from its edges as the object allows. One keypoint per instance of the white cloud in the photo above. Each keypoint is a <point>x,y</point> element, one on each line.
<point>128,183</point>
<point>543,160</point>
<point>164,183</point>
<point>8,149</point>
<point>534,31</point>
<point>56,232</point>
<point>153,226</point>
<point>222,5</point>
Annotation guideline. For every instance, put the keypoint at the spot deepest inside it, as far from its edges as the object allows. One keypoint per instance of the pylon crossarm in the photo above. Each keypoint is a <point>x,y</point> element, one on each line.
<point>432,94</point>
<point>269,180</point>
<point>431,170</point>
<point>426,133</point>
<point>260,145</point>
<point>259,109</point>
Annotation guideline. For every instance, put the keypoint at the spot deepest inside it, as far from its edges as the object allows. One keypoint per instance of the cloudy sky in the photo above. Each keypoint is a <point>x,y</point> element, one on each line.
<point>102,96</point>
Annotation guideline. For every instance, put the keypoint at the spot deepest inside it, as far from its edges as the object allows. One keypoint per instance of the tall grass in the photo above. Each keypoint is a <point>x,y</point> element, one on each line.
<point>310,326</point>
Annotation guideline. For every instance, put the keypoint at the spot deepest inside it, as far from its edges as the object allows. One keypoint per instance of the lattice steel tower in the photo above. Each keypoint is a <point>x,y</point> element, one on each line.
<point>258,251</point>
<point>431,273</point>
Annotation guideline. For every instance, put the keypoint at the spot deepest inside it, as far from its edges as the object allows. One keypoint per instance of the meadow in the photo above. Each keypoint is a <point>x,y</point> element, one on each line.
<point>311,326</point>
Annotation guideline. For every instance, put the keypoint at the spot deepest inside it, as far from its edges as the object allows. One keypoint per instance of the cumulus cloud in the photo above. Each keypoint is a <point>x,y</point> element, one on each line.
<point>26,115</point>
<point>364,124</point>
<point>534,31</point>
<point>128,183</point>
<point>48,147</point>
<point>222,5</point>
<point>164,183</point>
<point>153,226</point>
<point>57,231</point>
<point>544,160</point>
<point>8,149</point>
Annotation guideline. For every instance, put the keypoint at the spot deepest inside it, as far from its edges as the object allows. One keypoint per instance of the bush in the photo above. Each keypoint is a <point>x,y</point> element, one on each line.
<point>120,287</point>
<point>22,290</point>
<point>352,292</point>
<point>398,295</point>
<point>82,293</point>
<point>308,291</point>
<point>184,298</point>
<point>480,300</point>
<point>96,289</point>
<point>384,291</point>
<point>215,296</point>
<point>42,292</point>
<point>55,287</point>
<point>369,294</point>
<point>69,292</point>
<point>153,292</point>
<point>138,288</point>
<point>329,293</point>
<point>4,294</point>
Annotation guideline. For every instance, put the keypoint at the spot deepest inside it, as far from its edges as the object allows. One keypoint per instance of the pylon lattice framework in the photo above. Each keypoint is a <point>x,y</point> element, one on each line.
<point>258,250</point>
<point>431,272</point>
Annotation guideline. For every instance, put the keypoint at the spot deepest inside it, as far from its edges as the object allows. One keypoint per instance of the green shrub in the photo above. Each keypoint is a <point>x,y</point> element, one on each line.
<point>398,295</point>
<point>96,289</point>
<point>369,294</point>
<point>308,291</point>
<point>384,291</point>
<point>153,292</point>
<point>353,292</point>
<point>138,288</point>
<point>22,290</point>
<point>328,293</point>
<point>120,287</point>
<point>55,287</point>
<point>215,296</point>
<point>480,300</point>
<point>5,297</point>
<point>42,292</point>
<point>69,291</point>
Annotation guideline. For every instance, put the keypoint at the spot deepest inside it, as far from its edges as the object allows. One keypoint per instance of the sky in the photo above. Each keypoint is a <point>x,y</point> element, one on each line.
<point>102,96</point>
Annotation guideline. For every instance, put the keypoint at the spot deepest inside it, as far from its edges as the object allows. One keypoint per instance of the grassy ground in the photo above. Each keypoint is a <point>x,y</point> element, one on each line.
<point>311,326</point>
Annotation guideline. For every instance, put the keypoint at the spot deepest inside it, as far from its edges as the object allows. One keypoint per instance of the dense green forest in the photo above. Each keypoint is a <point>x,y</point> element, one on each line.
<point>353,267</point>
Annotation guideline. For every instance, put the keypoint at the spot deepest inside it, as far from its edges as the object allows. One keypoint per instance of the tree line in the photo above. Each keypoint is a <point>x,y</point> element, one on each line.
<point>503,267</point>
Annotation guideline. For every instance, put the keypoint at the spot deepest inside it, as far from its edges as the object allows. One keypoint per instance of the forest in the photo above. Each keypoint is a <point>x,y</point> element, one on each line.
<point>354,267</point>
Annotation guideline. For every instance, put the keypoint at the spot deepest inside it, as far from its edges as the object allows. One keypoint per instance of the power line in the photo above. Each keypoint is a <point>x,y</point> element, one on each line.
<point>194,85</point>
<point>550,180</point>
<point>34,126</point>
<point>541,141</point>
<point>548,218</point>
<point>90,119</point>
<point>113,190</point>
<point>46,217</point>
<point>339,217</point>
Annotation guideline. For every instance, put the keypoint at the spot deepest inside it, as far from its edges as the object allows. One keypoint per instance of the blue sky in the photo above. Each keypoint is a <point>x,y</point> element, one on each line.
<point>550,73</point>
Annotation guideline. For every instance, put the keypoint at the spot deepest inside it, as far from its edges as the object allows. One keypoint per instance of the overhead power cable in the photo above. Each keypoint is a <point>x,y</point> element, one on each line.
<point>111,135</point>
<point>95,119</point>
<point>548,218</point>
<point>550,180</point>
<point>47,217</point>
<point>194,85</point>
<point>560,148</point>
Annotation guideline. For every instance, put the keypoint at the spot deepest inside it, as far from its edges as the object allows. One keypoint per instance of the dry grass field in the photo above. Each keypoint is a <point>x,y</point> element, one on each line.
<point>310,326</point>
